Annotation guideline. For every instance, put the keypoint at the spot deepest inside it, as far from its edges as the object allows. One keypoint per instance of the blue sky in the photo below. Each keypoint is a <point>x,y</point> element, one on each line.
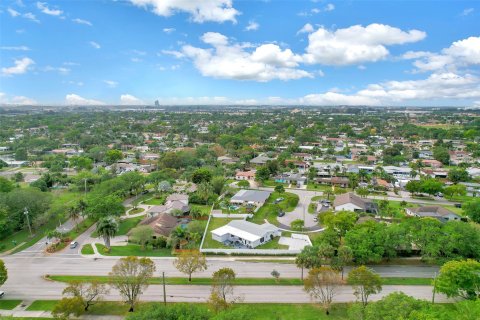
<point>240,52</point>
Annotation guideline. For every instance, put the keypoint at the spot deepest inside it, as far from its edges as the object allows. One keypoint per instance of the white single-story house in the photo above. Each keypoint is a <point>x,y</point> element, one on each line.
<point>245,234</point>
<point>437,212</point>
<point>255,197</point>
<point>351,202</point>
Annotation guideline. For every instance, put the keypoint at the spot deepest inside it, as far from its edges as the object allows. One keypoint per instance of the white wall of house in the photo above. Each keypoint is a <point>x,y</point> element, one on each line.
<point>347,207</point>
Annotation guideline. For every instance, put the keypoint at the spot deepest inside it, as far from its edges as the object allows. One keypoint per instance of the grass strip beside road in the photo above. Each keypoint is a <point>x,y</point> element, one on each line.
<point>257,311</point>
<point>238,281</point>
<point>9,304</point>
<point>132,250</point>
<point>87,249</point>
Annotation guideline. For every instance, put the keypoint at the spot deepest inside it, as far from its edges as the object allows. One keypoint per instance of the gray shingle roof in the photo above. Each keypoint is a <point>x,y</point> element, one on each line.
<point>251,195</point>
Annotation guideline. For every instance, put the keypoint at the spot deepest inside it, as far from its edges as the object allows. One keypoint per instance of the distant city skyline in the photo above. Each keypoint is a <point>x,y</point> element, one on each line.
<point>134,52</point>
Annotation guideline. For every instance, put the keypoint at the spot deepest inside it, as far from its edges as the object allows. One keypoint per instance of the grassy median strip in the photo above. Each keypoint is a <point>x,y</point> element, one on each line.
<point>238,281</point>
<point>9,304</point>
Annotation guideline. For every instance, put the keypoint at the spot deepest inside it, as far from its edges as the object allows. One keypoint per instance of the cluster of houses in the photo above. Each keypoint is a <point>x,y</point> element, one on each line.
<point>351,202</point>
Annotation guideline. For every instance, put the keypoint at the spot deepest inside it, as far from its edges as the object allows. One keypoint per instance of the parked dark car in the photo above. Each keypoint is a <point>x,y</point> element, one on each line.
<point>281,214</point>
<point>457,205</point>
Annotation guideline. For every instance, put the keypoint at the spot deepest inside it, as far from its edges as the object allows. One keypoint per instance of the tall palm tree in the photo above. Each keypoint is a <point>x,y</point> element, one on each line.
<point>74,214</point>
<point>107,227</point>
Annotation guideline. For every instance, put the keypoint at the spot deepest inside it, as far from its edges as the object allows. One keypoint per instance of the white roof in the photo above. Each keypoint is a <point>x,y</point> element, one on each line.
<point>245,230</point>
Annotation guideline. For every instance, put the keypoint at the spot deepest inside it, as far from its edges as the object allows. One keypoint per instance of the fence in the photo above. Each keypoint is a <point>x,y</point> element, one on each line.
<point>251,251</point>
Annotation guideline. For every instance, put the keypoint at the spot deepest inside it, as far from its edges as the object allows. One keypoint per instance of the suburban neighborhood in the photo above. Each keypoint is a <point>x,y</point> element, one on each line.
<point>239,160</point>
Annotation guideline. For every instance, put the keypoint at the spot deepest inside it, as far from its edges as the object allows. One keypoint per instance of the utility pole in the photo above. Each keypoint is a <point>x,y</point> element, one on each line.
<point>434,287</point>
<point>25,212</point>
<point>164,290</point>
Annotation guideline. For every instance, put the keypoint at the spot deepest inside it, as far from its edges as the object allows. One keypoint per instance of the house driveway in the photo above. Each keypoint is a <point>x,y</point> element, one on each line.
<point>293,244</point>
<point>301,210</point>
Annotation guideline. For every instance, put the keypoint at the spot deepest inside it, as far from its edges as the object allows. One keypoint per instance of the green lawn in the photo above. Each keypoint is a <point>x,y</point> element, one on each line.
<point>155,201</point>
<point>135,211</point>
<point>87,249</point>
<point>272,244</point>
<point>257,311</point>
<point>124,226</point>
<point>42,305</point>
<point>101,308</point>
<point>408,281</point>
<point>9,304</point>
<point>239,281</point>
<point>270,210</point>
<point>204,209</point>
<point>458,211</point>
<point>133,250</point>
<point>127,224</point>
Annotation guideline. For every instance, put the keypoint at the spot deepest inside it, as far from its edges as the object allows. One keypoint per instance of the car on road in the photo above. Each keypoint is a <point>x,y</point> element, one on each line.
<point>315,219</point>
<point>73,244</point>
<point>2,293</point>
<point>281,214</point>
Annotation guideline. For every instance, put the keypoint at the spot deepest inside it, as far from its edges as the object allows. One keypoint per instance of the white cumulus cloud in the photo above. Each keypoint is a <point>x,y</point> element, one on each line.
<point>356,44</point>
<point>461,53</point>
<point>42,6</point>
<point>200,10</point>
<point>252,26</point>
<point>74,99</point>
<point>128,99</point>
<point>22,100</point>
<point>20,66</point>
<point>241,61</point>
<point>308,28</point>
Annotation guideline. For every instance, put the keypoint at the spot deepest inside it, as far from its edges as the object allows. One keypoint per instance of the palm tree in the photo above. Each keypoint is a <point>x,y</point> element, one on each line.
<point>107,227</point>
<point>353,180</point>
<point>82,206</point>
<point>362,174</point>
<point>74,214</point>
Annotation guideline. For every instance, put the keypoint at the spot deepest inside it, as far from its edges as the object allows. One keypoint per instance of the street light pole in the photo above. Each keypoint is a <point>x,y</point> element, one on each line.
<point>25,212</point>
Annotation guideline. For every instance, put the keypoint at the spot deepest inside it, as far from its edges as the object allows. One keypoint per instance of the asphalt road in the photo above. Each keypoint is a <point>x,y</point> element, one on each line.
<point>26,278</point>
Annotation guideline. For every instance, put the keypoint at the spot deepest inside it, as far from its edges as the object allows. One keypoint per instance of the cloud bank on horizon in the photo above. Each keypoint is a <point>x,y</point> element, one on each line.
<point>238,52</point>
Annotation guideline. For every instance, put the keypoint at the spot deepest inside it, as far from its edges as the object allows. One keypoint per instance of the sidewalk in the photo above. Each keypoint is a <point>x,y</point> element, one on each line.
<point>47,314</point>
